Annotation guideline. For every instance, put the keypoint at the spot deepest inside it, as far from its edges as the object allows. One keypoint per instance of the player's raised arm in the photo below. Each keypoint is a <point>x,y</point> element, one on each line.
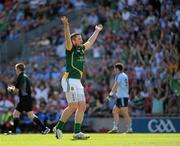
<point>64,19</point>
<point>93,37</point>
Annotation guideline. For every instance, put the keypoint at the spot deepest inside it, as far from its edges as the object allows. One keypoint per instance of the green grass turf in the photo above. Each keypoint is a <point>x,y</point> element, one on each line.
<point>95,140</point>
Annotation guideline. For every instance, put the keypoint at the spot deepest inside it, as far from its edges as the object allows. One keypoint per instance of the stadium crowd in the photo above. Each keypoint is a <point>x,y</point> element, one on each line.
<point>17,16</point>
<point>144,35</point>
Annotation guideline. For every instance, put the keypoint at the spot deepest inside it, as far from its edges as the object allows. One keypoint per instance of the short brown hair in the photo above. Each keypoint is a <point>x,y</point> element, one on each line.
<point>74,34</point>
<point>119,66</point>
<point>20,66</point>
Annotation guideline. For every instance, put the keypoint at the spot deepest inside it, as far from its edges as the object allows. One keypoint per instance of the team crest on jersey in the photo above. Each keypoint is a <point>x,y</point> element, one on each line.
<point>80,51</point>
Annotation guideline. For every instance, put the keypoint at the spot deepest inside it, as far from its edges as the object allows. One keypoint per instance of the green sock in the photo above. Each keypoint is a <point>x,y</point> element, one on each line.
<point>60,125</point>
<point>77,127</point>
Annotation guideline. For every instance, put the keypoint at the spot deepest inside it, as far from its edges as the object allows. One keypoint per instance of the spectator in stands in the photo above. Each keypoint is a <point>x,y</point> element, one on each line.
<point>158,99</point>
<point>52,116</point>
<point>6,120</point>
<point>173,106</point>
<point>137,102</point>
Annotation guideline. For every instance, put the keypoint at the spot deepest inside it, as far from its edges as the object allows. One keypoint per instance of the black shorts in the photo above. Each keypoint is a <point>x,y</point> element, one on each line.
<point>122,102</point>
<point>25,104</point>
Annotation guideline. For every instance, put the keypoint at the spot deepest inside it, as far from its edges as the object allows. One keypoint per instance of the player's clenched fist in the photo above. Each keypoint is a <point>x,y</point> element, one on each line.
<point>99,27</point>
<point>64,19</point>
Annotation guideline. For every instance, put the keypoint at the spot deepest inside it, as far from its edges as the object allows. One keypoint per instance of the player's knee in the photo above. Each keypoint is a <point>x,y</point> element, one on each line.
<point>73,106</point>
<point>125,113</point>
<point>115,111</point>
<point>82,107</point>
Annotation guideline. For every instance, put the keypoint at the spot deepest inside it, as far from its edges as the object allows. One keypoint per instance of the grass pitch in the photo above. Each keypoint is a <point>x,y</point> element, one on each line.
<point>95,140</point>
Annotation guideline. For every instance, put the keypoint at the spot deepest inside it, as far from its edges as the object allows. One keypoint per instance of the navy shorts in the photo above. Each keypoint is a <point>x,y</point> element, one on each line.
<point>122,102</point>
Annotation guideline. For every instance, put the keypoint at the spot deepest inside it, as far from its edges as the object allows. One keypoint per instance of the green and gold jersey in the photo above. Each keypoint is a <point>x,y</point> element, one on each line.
<point>75,62</point>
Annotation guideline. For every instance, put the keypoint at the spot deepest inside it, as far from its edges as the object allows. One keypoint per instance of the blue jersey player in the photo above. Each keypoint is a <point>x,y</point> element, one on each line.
<point>121,90</point>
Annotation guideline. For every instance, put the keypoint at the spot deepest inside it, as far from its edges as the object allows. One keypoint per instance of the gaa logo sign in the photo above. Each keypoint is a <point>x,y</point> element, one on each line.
<point>161,126</point>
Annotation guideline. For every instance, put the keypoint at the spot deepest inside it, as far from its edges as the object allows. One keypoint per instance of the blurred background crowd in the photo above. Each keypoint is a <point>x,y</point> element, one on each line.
<point>142,34</point>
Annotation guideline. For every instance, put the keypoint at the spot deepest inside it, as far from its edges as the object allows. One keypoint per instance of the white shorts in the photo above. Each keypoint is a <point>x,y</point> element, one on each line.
<point>73,89</point>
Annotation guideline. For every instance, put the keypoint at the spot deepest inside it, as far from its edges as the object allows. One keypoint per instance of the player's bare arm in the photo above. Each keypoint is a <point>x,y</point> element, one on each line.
<point>113,90</point>
<point>65,22</point>
<point>93,37</point>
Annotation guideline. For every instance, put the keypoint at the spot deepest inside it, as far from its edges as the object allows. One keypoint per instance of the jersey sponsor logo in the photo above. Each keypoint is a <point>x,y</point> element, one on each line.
<point>161,126</point>
<point>81,59</point>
